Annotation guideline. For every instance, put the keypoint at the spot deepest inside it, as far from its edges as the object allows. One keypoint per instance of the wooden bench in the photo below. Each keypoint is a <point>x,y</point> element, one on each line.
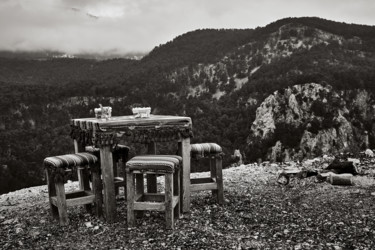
<point>169,201</point>
<point>214,153</point>
<point>56,168</point>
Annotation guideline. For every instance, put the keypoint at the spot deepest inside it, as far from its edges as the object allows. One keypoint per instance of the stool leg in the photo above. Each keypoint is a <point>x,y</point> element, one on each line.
<point>79,147</point>
<point>115,162</point>
<point>130,198</point>
<point>86,184</point>
<point>123,166</point>
<point>61,202</point>
<point>51,192</point>
<point>213,172</point>
<point>169,201</point>
<point>176,191</point>
<point>139,190</point>
<point>219,180</point>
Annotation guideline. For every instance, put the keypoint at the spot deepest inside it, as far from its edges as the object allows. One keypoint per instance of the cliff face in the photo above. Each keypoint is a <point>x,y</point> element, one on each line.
<point>311,119</point>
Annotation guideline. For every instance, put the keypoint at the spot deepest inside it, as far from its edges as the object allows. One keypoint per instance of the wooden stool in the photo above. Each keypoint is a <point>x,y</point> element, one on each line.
<point>138,200</point>
<point>215,182</point>
<point>120,157</point>
<point>56,168</point>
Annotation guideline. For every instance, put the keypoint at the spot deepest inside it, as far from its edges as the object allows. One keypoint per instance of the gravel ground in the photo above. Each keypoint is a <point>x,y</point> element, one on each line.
<point>259,214</point>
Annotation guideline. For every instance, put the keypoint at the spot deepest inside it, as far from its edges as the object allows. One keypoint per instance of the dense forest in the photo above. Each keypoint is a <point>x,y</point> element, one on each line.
<point>216,77</point>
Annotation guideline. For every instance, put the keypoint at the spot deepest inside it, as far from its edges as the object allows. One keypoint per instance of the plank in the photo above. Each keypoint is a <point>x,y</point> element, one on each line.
<point>203,186</point>
<point>106,165</point>
<point>184,151</point>
<point>213,172</point>
<point>169,217</point>
<point>61,203</point>
<point>219,180</point>
<point>130,190</point>
<point>176,194</point>
<point>97,188</point>
<point>51,193</point>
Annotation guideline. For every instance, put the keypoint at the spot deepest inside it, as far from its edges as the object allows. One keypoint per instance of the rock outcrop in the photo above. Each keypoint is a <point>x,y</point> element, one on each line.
<point>311,119</point>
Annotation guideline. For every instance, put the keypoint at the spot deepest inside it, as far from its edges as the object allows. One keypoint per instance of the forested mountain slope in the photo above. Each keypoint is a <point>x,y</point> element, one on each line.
<point>220,78</point>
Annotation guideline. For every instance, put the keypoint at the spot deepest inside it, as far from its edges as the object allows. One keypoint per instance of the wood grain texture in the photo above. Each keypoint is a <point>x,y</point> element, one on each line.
<point>106,165</point>
<point>184,151</point>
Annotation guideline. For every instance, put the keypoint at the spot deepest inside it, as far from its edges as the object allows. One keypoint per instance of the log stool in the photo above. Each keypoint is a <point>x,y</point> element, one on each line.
<point>120,157</point>
<point>214,153</point>
<point>56,168</point>
<point>138,200</point>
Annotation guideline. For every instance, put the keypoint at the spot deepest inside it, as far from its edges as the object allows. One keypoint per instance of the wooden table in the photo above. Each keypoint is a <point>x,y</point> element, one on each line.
<point>156,128</point>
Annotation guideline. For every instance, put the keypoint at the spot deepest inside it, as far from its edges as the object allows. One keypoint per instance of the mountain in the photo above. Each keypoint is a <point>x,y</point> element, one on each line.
<point>227,81</point>
<point>45,55</point>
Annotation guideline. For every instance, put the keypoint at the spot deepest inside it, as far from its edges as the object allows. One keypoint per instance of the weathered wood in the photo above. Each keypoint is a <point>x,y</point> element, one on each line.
<point>83,173</point>
<point>162,125</point>
<point>159,197</point>
<point>61,203</point>
<point>169,217</point>
<point>214,182</point>
<point>154,206</point>
<point>79,147</point>
<point>203,186</point>
<point>51,193</point>
<point>121,121</point>
<point>138,201</point>
<point>202,180</point>
<point>115,171</point>
<point>212,162</point>
<point>97,188</point>
<point>151,206</point>
<point>123,167</point>
<point>148,201</point>
<point>130,190</point>
<point>151,179</point>
<point>75,194</point>
<point>176,194</point>
<point>184,151</point>
<point>106,164</point>
<point>81,200</point>
<point>85,179</point>
<point>219,180</point>
<point>139,190</point>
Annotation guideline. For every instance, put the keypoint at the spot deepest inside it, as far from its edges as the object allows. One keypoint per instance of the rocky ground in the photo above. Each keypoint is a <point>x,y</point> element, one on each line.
<point>259,213</point>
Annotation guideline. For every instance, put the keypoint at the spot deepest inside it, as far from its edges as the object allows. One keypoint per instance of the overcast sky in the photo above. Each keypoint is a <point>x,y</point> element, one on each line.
<point>120,26</point>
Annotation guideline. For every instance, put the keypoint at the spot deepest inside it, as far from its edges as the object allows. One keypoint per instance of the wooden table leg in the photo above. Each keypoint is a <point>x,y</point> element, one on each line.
<point>106,164</point>
<point>78,147</point>
<point>184,151</point>
<point>82,173</point>
<point>151,178</point>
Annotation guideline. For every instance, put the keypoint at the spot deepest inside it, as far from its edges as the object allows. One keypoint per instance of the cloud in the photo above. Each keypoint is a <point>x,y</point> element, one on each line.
<point>77,26</point>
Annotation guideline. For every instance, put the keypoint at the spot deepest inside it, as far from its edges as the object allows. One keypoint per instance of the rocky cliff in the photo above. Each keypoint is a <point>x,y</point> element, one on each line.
<point>312,119</point>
